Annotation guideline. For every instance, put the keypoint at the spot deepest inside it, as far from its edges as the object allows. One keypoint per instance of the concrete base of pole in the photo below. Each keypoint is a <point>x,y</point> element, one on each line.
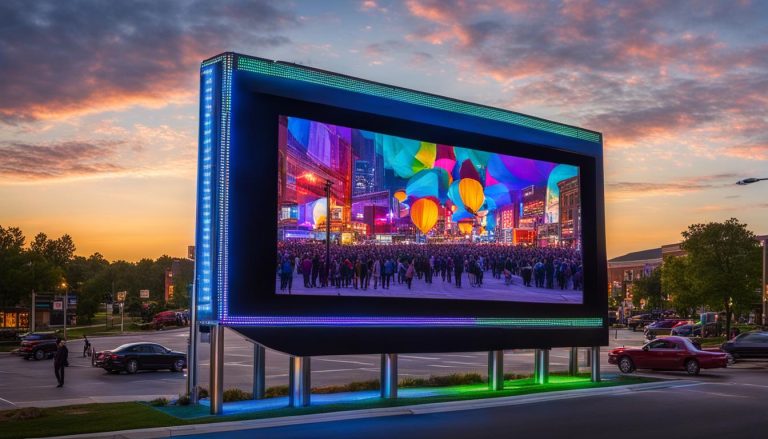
<point>541,366</point>
<point>259,371</point>
<point>388,380</point>
<point>299,384</point>
<point>217,370</point>
<point>595,360</point>
<point>496,370</point>
<point>573,362</point>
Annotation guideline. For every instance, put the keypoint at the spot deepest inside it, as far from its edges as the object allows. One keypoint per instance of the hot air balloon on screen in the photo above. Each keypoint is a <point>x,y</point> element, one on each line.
<point>424,214</point>
<point>400,196</point>
<point>319,211</point>
<point>465,226</point>
<point>471,193</point>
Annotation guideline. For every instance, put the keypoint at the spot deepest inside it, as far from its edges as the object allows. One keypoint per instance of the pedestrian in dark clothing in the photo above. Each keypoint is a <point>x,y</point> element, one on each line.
<point>60,361</point>
<point>458,265</point>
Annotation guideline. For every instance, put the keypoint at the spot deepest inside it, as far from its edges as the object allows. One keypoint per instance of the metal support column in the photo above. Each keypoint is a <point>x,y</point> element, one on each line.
<point>541,366</point>
<point>496,370</point>
<point>589,357</point>
<point>595,359</point>
<point>299,385</point>
<point>192,375</point>
<point>388,376</point>
<point>573,362</point>
<point>259,371</point>
<point>217,370</point>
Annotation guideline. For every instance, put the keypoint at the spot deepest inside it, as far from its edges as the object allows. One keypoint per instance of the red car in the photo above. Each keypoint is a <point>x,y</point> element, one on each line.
<point>667,353</point>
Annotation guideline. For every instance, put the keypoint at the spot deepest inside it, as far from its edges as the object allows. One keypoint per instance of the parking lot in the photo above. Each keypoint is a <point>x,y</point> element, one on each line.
<point>32,383</point>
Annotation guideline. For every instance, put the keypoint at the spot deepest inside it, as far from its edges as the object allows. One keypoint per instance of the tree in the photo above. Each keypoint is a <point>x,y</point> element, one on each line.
<point>724,264</point>
<point>677,285</point>
<point>648,288</point>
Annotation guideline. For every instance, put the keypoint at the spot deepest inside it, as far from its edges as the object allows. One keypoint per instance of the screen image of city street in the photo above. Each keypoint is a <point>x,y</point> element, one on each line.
<point>414,219</point>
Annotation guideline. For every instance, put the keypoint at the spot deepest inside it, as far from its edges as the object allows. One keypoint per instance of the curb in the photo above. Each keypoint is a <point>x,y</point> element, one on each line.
<point>419,409</point>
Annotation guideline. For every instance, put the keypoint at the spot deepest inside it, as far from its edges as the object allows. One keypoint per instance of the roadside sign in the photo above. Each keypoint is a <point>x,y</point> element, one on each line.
<point>144,294</point>
<point>58,305</point>
<point>121,296</point>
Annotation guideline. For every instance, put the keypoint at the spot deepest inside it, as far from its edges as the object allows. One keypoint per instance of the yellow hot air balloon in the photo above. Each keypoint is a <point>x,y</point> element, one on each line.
<point>465,227</point>
<point>400,196</point>
<point>424,214</point>
<point>471,193</point>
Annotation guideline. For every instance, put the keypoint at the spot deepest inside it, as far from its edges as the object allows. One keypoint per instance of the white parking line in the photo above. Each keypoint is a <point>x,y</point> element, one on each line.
<point>344,361</point>
<point>414,357</point>
<point>439,365</point>
<point>465,363</point>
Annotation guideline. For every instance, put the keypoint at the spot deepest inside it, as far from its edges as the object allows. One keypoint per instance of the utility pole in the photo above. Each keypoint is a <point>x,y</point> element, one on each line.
<point>66,302</point>
<point>32,312</point>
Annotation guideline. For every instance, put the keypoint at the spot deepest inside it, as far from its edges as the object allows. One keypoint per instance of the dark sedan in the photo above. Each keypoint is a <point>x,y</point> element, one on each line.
<point>667,353</point>
<point>748,345</point>
<point>133,357</point>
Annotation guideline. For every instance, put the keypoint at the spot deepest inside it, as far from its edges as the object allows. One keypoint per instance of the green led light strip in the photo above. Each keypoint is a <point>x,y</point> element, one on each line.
<point>299,73</point>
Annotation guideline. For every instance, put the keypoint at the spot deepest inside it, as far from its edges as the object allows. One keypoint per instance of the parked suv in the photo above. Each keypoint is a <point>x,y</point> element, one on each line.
<point>37,346</point>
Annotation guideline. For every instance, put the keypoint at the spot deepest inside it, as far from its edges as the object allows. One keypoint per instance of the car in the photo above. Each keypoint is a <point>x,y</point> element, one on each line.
<point>667,353</point>
<point>748,345</point>
<point>167,318</point>
<point>662,327</point>
<point>639,321</point>
<point>687,330</point>
<point>37,346</point>
<point>133,357</point>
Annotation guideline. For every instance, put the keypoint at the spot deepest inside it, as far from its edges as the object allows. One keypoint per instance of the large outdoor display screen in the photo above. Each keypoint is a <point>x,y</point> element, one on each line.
<point>337,215</point>
<point>414,219</point>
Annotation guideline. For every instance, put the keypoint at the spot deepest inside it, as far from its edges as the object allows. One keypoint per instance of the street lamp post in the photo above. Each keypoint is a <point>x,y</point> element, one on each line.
<point>66,299</point>
<point>328,184</point>
<point>764,284</point>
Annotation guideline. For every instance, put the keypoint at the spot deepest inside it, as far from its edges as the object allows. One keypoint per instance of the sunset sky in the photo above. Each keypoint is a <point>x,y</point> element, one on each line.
<point>98,99</point>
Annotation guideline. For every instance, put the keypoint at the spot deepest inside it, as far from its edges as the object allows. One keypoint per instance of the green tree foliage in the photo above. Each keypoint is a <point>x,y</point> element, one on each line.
<point>675,277</point>
<point>648,288</point>
<point>47,263</point>
<point>723,265</point>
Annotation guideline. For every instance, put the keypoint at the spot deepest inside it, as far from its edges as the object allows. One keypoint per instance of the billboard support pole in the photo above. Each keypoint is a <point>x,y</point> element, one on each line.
<point>388,380</point>
<point>217,369</point>
<point>496,370</point>
<point>259,367</point>
<point>573,362</point>
<point>299,374</point>
<point>541,366</point>
<point>595,354</point>
<point>192,349</point>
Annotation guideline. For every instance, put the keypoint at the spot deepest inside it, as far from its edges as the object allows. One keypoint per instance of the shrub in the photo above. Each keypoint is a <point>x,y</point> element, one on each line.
<point>202,392</point>
<point>453,379</point>
<point>235,394</point>
<point>355,386</point>
<point>183,400</point>
<point>159,402</point>
<point>275,391</point>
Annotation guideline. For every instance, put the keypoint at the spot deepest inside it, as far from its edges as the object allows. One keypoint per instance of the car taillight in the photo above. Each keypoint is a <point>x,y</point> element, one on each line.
<point>114,356</point>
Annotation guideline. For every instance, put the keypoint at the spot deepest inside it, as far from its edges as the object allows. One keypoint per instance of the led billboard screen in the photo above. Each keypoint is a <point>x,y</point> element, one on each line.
<point>322,197</point>
<point>414,219</point>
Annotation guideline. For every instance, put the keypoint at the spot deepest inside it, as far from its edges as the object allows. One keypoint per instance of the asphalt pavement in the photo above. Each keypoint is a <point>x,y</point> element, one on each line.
<point>32,383</point>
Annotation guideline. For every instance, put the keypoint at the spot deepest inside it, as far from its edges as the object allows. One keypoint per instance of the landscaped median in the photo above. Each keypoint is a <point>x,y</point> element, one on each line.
<point>92,418</point>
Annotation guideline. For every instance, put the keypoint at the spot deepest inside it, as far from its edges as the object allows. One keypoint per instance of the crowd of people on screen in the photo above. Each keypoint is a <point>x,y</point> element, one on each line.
<point>363,266</point>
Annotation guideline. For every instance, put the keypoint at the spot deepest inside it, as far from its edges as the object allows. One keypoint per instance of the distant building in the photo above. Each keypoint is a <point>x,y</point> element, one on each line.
<point>570,212</point>
<point>170,273</point>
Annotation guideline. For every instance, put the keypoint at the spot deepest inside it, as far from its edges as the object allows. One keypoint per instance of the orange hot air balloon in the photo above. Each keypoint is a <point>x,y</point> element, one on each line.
<point>400,196</point>
<point>424,214</point>
<point>471,193</point>
<point>465,227</point>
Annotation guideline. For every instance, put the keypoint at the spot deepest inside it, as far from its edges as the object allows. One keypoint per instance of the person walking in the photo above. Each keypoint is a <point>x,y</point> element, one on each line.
<point>409,274</point>
<point>86,346</point>
<point>60,361</point>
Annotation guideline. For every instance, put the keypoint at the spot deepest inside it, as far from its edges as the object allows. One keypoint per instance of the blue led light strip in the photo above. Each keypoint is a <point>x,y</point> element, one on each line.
<point>491,322</point>
<point>203,289</point>
<point>299,73</point>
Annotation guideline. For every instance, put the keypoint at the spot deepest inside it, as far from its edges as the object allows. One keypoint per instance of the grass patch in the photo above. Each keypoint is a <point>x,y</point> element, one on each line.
<point>92,418</point>
<point>88,418</point>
